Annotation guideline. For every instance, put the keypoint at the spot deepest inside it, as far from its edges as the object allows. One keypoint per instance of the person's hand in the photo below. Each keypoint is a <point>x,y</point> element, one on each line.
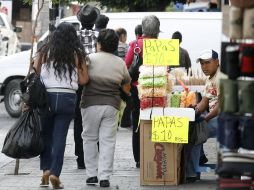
<point>24,107</point>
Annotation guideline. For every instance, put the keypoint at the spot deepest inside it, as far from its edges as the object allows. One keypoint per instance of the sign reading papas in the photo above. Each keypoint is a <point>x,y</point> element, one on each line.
<point>170,129</point>
<point>161,52</point>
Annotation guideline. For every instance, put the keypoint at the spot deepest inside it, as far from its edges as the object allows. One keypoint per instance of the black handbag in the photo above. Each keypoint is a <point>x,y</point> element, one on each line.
<point>34,92</point>
<point>198,133</point>
<point>136,63</point>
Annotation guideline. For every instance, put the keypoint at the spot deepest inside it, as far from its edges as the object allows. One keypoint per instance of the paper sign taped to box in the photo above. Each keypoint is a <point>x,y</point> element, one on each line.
<point>161,52</point>
<point>170,129</point>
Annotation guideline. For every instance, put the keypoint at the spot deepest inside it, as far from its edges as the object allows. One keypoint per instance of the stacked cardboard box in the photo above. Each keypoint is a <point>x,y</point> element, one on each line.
<point>160,162</point>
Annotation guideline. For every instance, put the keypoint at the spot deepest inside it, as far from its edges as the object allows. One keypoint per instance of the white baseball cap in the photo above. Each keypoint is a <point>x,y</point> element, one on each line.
<point>207,54</point>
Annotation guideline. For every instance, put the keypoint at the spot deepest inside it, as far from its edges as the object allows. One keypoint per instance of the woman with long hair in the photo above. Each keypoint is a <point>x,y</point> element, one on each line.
<point>61,64</point>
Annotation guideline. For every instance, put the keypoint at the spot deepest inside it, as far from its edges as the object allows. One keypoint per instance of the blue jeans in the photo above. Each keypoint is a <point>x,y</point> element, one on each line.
<point>212,125</point>
<point>54,130</point>
<point>193,164</point>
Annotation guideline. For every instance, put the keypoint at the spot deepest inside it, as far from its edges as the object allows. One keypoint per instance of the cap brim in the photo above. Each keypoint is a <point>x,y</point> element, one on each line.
<point>198,60</point>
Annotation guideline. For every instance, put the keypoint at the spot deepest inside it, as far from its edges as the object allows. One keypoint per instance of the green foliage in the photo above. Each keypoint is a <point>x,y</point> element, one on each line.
<point>138,5</point>
<point>53,1</point>
<point>130,5</point>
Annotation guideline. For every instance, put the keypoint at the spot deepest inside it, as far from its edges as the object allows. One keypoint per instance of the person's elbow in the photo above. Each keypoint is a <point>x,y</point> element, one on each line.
<point>83,80</point>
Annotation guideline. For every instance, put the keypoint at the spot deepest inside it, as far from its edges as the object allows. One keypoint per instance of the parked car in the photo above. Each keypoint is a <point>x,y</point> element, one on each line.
<point>9,42</point>
<point>195,27</point>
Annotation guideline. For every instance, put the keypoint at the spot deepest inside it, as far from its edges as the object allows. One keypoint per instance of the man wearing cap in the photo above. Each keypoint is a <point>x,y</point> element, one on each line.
<point>209,62</point>
<point>184,58</point>
<point>87,15</point>
<point>210,66</point>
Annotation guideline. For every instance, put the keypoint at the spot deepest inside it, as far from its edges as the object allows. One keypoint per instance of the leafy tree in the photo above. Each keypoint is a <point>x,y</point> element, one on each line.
<point>137,5</point>
<point>130,5</point>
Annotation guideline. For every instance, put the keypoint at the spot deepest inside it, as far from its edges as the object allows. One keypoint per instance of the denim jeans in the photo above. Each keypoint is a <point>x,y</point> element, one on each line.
<point>193,164</point>
<point>213,126</point>
<point>54,130</point>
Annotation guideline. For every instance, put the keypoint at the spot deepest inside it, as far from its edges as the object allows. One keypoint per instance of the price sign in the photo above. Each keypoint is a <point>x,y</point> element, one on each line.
<point>161,52</point>
<point>170,129</point>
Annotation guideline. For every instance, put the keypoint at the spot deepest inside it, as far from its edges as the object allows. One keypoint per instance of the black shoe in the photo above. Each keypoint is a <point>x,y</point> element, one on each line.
<point>198,175</point>
<point>92,180</point>
<point>104,183</point>
<point>191,179</point>
<point>137,165</point>
<point>202,160</point>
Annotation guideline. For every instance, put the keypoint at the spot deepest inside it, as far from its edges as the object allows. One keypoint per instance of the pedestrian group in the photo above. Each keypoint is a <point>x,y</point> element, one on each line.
<point>85,73</point>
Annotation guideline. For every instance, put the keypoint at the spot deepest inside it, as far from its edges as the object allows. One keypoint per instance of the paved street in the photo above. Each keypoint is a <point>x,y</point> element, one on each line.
<point>125,177</point>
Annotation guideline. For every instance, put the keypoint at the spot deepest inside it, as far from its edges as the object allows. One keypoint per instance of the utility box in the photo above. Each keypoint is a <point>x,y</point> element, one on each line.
<point>160,163</point>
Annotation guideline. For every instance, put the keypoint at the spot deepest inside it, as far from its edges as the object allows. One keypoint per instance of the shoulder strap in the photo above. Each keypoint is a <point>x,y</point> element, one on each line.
<point>136,49</point>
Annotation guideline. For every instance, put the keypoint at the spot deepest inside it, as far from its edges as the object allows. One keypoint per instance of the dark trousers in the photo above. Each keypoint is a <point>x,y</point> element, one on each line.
<point>78,128</point>
<point>126,117</point>
<point>135,119</point>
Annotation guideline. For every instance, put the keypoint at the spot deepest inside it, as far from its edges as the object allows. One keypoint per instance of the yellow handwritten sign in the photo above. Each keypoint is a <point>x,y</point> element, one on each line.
<point>170,129</point>
<point>161,52</point>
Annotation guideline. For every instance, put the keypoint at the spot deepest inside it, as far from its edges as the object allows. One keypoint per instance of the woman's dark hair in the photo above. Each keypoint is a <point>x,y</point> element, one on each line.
<point>121,31</point>
<point>177,35</point>
<point>108,40</point>
<point>61,48</point>
<point>138,30</point>
<point>101,22</point>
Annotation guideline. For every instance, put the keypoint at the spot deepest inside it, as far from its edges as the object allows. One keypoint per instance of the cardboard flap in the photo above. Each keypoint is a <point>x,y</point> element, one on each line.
<point>148,113</point>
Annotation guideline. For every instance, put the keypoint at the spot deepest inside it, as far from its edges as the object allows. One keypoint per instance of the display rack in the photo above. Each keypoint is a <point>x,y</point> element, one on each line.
<point>236,119</point>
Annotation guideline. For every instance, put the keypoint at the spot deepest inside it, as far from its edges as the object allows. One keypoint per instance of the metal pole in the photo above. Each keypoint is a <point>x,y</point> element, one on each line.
<point>53,14</point>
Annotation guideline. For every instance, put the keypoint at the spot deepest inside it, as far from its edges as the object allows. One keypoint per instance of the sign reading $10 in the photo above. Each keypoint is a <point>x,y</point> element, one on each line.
<point>170,129</point>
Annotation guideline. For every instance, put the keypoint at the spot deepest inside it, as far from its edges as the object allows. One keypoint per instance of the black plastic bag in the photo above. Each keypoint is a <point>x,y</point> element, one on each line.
<point>24,139</point>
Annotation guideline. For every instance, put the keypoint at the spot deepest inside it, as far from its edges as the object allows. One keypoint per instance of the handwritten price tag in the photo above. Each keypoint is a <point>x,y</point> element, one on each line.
<point>161,52</point>
<point>170,129</point>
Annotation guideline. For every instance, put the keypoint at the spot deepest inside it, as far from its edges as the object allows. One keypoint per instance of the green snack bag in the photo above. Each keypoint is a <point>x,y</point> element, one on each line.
<point>175,100</point>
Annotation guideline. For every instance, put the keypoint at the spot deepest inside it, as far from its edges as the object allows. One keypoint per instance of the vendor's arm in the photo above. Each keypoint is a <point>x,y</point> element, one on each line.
<point>212,113</point>
<point>202,105</point>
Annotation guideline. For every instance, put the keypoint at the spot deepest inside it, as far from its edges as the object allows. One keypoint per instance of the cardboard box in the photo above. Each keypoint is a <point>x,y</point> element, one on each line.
<point>159,162</point>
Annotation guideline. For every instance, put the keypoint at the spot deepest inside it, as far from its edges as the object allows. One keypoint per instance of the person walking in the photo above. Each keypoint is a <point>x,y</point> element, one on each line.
<point>122,46</point>
<point>101,22</point>
<point>138,31</point>
<point>151,29</point>
<point>87,16</point>
<point>126,118</point>
<point>184,59</point>
<point>100,104</point>
<point>61,70</point>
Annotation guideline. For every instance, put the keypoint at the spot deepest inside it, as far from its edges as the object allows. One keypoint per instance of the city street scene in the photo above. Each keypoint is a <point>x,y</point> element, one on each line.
<point>126,175</point>
<point>126,94</point>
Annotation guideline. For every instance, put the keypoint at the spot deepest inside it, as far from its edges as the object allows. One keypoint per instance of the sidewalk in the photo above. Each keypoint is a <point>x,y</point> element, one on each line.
<point>125,177</point>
